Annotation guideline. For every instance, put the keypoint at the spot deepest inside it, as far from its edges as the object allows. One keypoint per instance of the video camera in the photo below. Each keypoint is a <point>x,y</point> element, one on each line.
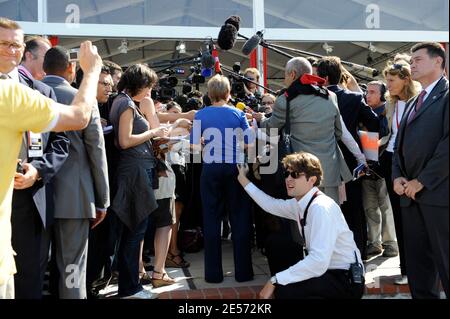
<point>238,89</point>
<point>196,74</point>
<point>166,87</point>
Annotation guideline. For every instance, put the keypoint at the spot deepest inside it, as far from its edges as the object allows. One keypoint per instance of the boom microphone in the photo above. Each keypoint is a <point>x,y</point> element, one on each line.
<point>228,33</point>
<point>252,43</point>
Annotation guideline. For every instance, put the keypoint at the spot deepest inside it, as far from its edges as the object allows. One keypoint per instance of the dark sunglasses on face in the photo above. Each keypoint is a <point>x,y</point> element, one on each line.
<point>294,175</point>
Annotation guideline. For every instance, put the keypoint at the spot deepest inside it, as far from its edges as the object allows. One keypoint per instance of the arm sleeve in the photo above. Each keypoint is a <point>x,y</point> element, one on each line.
<point>277,207</point>
<point>24,109</point>
<point>368,117</point>
<point>55,155</point>
<point>351,144</point>
<point>436,169</point>
<point>96,153</point>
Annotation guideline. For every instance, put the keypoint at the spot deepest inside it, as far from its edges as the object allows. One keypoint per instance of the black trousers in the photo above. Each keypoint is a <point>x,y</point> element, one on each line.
<point>333,284</point>
<point>27,232</point>
<point>354,214</point>
<point>426,232</point>
<point>386,165</point>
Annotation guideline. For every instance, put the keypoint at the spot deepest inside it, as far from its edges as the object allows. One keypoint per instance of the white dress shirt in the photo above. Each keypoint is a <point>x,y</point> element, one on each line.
<point>399,110</point>
<point>430,88</point>
<point>329,241</point>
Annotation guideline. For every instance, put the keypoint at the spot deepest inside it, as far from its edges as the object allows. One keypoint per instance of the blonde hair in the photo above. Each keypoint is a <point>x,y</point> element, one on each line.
<point>6,23</point>
<point>218,88</point>
<point>269,95</point>
<point>253,71</point>
<point>401,69</point>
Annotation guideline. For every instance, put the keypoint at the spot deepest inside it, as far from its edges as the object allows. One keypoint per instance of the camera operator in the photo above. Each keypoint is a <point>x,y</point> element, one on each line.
<point>332,267</point>
<point>252,95</point>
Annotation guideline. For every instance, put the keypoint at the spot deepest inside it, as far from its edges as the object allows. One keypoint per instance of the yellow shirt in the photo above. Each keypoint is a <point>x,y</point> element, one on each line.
<point>21,109</point>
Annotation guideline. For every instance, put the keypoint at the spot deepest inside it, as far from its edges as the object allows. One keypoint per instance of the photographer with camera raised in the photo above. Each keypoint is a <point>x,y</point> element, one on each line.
<point>332,267</point>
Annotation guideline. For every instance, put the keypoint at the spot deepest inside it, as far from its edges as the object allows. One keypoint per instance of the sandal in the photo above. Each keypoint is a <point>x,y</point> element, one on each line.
<point>176,261</point>
<point>165,280</point>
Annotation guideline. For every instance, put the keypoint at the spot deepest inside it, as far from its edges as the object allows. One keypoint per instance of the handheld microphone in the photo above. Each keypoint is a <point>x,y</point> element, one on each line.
<point>252,43</point>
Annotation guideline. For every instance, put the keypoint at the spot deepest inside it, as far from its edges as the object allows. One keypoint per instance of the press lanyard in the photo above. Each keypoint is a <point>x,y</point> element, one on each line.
<point>396,114</point>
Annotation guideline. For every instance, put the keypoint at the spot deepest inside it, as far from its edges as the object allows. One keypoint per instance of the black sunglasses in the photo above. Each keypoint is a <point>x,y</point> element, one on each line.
<point>397,66</point>
<point>294,175</point>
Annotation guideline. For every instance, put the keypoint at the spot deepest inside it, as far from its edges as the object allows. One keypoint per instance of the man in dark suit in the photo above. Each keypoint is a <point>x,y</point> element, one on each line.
<point>31,208</point>
<point>354,111</point>
<point>420,173</point>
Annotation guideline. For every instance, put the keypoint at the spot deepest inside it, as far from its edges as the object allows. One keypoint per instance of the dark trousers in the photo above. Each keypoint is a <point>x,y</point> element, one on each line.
<point>128,259</point>
<point>27,232</point>
<point>426,232</point>
<point>354,214</point>
<point>333,284</point>
<point>219,190</point>
<point>102,242</point>
<point>386,165</point>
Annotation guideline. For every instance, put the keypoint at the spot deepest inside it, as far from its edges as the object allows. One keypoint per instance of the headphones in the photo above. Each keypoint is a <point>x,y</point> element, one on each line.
<point>383,90</point>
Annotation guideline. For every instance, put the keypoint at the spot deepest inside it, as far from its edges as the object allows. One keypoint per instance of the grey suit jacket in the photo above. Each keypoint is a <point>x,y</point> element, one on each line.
<point>81,185</point>
<point>315,128</point>
<point>421,148</point>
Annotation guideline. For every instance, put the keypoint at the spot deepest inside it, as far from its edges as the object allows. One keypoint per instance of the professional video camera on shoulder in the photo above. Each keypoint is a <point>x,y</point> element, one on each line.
<point>197,77</point>
<point>237,82</point>
<point>238,91</point>
<point>167,86</point>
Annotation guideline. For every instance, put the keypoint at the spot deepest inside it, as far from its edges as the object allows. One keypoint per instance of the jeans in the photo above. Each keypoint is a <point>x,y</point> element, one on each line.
<point>128,259</point>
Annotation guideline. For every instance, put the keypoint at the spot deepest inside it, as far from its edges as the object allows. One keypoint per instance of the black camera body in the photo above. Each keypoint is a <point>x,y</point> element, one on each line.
<point>19,168</point>
<point>356,272</point>
<point>166,90</point>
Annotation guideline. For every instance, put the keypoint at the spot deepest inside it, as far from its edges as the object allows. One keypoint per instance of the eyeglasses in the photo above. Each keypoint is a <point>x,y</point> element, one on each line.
<point>105,83</point>
<point>12,45</point>
<point>267,103</point>
<point>294,175</point>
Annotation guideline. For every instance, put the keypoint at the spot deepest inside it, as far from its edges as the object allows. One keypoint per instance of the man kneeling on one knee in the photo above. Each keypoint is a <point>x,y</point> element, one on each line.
<point>332,266</point>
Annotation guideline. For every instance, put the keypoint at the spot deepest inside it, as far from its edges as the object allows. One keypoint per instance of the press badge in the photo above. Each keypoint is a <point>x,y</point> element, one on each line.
<point>35,147</point>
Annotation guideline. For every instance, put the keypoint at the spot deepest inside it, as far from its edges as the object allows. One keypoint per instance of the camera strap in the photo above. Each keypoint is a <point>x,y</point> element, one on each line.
<point>303,220</point>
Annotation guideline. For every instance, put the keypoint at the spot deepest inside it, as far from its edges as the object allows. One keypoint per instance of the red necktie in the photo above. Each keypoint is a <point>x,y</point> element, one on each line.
<point>417,107</point>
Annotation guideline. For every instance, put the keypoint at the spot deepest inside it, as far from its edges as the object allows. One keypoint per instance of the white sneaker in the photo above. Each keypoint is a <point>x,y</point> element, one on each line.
<point>143,294</point>
<point>401,281</point>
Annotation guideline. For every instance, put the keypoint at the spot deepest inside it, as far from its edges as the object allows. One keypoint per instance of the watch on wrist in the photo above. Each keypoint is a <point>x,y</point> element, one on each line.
<point>273,280</point>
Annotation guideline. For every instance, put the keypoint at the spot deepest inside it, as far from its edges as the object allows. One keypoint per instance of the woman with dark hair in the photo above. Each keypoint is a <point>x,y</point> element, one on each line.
<point>136,177</point>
